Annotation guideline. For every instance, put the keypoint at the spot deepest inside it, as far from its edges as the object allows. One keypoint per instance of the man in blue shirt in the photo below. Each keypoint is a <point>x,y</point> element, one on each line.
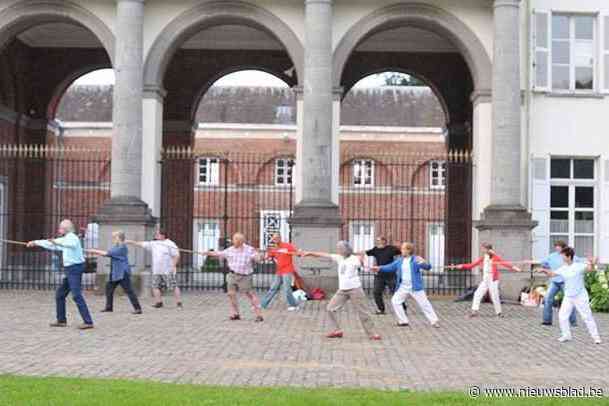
<point>74,266</point>
<point>556,284</point>
<point>120,272</point>
<point>576,295</point>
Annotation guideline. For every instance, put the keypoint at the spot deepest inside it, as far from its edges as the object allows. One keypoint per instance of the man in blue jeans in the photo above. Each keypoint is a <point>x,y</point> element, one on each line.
<point>556,284</point>
<point>74,267</point>
<point>282,253</point>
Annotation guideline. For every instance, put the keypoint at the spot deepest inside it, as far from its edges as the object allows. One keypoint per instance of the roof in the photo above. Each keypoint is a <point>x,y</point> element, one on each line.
<point>381,106</point>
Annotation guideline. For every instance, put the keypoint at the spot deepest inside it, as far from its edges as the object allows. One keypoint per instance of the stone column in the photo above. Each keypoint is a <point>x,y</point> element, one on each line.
<point>505,222</point>
<point>125,210</point>
<point>316,220</point>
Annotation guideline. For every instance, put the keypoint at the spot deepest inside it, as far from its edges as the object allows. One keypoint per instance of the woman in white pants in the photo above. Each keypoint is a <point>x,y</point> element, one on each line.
<point>490,263</point>
<point>410,283</point>
<point>576,295</point>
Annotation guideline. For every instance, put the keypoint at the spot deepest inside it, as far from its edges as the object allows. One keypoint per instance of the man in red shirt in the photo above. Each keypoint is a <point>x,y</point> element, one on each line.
<point>282,253</point>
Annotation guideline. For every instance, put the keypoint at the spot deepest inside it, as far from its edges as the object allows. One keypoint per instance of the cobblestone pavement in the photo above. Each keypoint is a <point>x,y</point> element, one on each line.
<point>199,345</point>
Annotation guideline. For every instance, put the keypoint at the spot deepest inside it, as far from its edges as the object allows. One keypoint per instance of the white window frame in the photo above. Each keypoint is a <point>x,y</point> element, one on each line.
<point>573,183</point>
<point>198,226</point>
<point>604,59</point>
<point>572,41</point>
<point>361,165</point>
<point>438,266</point>
<point>282,180</point>
<point>212,176</point>
<point>362,245</point>
<point>441,175</point>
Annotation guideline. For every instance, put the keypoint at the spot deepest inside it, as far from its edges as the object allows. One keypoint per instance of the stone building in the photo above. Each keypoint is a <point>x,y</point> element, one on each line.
<point>523,85</point>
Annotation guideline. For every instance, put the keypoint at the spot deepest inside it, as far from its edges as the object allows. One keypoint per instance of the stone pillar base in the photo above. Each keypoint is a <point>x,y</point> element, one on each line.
<point>508,229</point>
<point>133,217</point>
<point>317,228</point>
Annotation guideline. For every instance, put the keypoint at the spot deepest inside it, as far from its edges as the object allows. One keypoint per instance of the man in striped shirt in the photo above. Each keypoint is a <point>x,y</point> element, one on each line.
<point>240,259</point>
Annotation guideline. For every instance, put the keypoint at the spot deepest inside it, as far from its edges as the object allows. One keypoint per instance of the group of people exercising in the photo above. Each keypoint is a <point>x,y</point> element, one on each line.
<point>400,270</point>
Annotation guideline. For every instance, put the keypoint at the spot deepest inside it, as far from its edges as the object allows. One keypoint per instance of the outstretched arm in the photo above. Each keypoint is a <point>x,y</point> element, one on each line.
<point>466,266</point>
<point>317,254</point>
<point>96,252</point>
<point>505,264</point>
<point>141,244</point>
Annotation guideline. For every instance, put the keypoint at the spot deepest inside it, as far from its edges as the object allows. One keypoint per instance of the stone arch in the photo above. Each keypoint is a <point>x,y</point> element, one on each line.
<point>62,87</point>
<point>214,13</point>
<point>425,17</point>
<point>27,13</point>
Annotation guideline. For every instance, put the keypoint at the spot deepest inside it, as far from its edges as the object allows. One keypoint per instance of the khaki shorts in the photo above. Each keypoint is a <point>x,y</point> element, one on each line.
<point>167,281</point>
<point>237,282</point>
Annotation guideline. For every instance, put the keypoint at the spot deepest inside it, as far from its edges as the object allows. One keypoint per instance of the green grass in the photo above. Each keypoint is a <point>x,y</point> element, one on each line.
<point>18,391</point>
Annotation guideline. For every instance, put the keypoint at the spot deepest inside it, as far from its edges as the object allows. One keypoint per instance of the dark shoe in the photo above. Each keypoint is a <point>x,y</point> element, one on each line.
<point>403,325</point>
<point>85,326</point>
<point>157,305</point>
<point>235,317</point>
<point>106,311</point>
<point>545,323</point>
<point>179,305</point>
<point>258,319</point>
<point>500,315</point>
<point>379,312</point>
<point>138,311</point>
<point>58,324</point>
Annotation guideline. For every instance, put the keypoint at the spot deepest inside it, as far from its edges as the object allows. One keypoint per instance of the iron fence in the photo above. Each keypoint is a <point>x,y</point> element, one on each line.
<point>40,186</point>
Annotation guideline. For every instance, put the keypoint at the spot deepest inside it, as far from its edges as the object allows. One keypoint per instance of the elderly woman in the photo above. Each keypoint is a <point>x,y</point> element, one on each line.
<point>74,266</point>
<point>349,288</point>
<point>120,272</point>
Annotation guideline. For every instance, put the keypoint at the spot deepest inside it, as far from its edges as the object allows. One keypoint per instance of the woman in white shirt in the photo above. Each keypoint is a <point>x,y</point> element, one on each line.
<point>349,288</point>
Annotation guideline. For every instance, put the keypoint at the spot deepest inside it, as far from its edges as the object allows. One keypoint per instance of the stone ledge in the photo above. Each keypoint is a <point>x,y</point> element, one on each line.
<point>510,217</point>
<point>124,210</point>
<point>316,214</point>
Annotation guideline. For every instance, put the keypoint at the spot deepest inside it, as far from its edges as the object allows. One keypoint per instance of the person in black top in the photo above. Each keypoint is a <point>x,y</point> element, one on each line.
<point>383,254</point>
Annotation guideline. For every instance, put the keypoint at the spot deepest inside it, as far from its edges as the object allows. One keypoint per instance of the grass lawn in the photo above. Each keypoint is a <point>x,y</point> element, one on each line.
<point>18,390</point>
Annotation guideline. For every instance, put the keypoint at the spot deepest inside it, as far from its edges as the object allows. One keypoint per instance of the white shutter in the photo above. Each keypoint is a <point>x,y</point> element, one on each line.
<point>603,251</point>
<point>605,53</point>
<point>541,43</point>
<point>540,205</point>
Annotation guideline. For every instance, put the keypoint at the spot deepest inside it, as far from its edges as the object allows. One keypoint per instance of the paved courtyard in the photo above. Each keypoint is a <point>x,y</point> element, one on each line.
<point>199,345</point>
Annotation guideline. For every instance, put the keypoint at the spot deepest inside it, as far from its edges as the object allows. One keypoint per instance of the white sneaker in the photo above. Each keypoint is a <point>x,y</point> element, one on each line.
<point>292,308</point>
<point>597,340</point>
<point>564,339</point>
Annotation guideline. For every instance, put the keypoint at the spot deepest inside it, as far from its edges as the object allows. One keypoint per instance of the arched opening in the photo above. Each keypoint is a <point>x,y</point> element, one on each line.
<point>427,198</point>
<point>227,73</point>
<point>45,46</point>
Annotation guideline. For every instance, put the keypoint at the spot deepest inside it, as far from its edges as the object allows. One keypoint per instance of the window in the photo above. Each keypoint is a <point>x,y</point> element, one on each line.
<point>572,203</point>
<point>283,171</point>
<point>437,174</point>
<point>361,235</point>
<point>606,52</point>
<point>283,114</point>
<point>209,171</point>
<point>206,238</point>
<point>363,173</point>
<point>573,56</point>
<point>435,244</point>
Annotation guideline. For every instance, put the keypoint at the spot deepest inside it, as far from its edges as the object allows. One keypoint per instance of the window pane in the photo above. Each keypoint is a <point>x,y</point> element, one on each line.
<point>584,197</point>
<point>541,68</point>
<point>584,78</point>
<point>561,52</point>
<point>560,27</point>
<point>583,169</point>
<point>559,196</point>
<point>554,238</point>
<point>559,221</point>
<point>584,27</point>
<point>584,222</point>
<point>584,53</point>
<point>584,246</point>
<point>607,66</point>
<point>560,77</point>
<point>607,33</point>
<point>560,169</point>
<point>541,30</point>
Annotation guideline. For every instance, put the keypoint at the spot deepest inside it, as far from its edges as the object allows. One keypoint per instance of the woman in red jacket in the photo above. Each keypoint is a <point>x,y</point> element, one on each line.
<point>490,263</point>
